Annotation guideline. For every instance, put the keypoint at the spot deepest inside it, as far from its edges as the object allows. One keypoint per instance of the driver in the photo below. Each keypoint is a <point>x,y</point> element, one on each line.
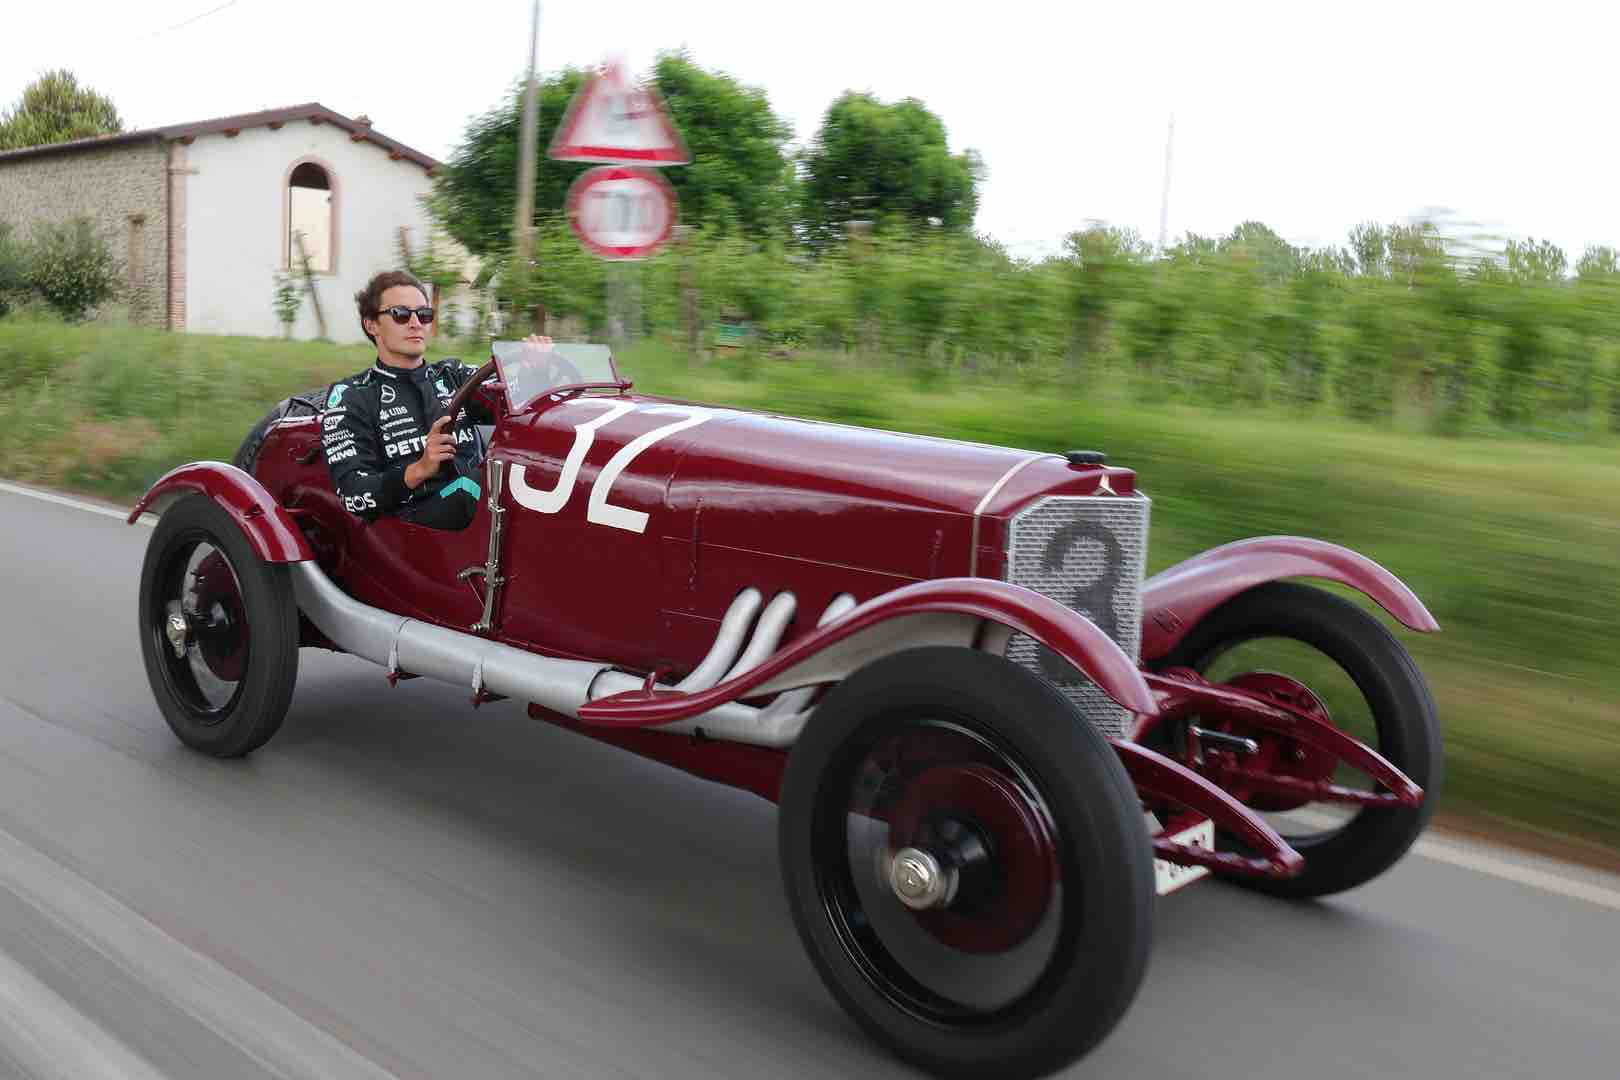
<point>390,446</point>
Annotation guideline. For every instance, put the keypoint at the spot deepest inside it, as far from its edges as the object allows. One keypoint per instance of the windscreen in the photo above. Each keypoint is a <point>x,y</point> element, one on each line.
<point>530,370</point>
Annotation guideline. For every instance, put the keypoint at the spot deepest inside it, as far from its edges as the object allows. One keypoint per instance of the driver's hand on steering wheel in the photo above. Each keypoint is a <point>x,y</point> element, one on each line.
<point>440,447</point>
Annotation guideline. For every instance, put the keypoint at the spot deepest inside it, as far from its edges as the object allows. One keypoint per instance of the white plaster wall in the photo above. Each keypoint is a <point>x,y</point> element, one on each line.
<point>234,226</point>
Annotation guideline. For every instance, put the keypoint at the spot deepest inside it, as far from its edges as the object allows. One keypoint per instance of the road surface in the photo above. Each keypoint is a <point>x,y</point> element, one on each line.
<point>400,886</point>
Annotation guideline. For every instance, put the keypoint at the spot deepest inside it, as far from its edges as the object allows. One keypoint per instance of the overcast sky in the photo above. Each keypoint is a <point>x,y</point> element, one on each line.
<point>1305,115</point>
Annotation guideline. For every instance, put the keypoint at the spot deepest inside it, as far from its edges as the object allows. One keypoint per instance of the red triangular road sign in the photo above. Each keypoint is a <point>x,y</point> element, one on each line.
<point>615,123</point>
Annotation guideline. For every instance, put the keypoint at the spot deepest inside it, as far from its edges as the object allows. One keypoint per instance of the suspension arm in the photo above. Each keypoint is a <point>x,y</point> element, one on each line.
<point>1182,693</point>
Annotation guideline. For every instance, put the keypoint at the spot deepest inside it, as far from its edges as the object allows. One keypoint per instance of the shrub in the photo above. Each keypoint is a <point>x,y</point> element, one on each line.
<point>72,268</point>
<point>13,269</point>
<point>287,298</point>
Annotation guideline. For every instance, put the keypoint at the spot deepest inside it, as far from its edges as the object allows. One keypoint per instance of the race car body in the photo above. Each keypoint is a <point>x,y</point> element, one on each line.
<point>939,657</point>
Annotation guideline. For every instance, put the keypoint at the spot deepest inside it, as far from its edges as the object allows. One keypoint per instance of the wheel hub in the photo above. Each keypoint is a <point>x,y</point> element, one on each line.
<point>178,633</point>
<point>972,858</point>
<point>919,881</point>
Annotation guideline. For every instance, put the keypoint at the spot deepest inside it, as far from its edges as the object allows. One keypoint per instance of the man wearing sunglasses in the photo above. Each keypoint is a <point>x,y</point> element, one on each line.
<point>390,446</point>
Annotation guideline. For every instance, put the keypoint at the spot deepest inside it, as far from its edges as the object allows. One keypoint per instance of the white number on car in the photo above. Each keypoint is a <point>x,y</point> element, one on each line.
<point>598,510</point>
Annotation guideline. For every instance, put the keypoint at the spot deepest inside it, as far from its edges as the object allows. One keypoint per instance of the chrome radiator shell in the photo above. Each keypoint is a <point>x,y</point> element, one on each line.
<point>1088,552</point>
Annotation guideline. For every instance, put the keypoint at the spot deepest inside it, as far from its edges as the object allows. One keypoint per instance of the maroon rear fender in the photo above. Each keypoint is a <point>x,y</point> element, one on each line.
<point>890,622</point>
<point>1175,600</point>
<point>263,522</point>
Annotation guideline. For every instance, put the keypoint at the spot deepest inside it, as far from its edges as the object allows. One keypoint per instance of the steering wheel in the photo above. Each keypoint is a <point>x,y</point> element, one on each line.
<point>478,379</point>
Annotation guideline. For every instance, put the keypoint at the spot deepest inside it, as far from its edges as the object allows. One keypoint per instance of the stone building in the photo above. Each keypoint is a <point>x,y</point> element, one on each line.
<point>203,216</point>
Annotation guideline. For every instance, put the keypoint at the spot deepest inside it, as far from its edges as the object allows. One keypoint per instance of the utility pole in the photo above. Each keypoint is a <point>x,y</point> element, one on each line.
<point>1164,200</point>
<point>523,222</point>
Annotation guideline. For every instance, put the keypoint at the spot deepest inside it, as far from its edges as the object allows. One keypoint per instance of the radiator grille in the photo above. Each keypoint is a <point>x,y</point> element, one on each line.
<point>1088,553</point>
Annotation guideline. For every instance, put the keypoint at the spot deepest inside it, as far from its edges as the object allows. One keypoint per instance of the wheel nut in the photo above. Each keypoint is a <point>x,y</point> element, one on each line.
<point>175,629</point>
<point>917,879</point>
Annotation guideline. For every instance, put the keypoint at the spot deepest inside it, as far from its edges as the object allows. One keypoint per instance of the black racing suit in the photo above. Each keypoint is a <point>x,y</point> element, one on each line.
<point>376,423</point>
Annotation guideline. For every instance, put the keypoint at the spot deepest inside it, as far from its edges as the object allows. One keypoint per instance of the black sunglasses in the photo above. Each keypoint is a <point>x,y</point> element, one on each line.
<point>402,314</point>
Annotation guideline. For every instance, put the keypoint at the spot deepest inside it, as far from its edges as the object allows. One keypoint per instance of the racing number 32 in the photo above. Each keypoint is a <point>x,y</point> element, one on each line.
<point>598,510</point>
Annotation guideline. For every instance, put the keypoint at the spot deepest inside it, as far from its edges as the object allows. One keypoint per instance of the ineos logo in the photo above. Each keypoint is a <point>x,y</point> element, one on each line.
<point>1093,599</point>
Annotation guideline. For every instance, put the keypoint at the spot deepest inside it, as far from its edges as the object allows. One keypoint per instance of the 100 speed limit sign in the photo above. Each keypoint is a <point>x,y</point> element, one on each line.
<point>620,212</point>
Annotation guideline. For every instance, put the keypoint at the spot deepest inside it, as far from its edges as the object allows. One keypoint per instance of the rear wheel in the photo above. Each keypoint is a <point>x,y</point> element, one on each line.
<point>1323,654</point>
<point>219,631</point>
<point>967,864</point>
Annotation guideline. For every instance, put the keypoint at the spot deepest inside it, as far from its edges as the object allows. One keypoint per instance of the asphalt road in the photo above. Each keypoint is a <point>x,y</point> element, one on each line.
<point>399,886</point>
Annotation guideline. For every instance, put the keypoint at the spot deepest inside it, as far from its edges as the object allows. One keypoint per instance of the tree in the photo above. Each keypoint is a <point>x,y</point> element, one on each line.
<point>55,108</point>
<point>1598,263</point>
<point>1370,246</point>
<point>1535,261</point>
<point>872,161</point>
<point>738,174</point>
<point>1273,256</point>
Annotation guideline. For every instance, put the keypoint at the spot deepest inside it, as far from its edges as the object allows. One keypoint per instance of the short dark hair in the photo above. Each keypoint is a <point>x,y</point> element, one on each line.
<point>369,299</point>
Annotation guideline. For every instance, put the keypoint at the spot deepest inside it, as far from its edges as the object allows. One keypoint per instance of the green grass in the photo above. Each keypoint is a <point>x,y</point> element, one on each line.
<point>1514,545</point>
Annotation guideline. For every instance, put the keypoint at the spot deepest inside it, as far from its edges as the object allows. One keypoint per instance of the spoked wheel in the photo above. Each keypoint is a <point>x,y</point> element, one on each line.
<point>967,864</point>
<point>1325,656</point>
<point>219,631</point>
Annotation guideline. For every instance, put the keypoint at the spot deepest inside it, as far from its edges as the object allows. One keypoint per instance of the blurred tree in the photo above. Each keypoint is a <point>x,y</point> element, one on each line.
<point>1370,246</point>
<point>874,161</point>
<point>1194,249</point>
<point>55,108</point>
<point>1103,261</point>
<point>1535,261</point>
<point>1275,259</point>
<point>1598,263</point>
<point>739,176</point>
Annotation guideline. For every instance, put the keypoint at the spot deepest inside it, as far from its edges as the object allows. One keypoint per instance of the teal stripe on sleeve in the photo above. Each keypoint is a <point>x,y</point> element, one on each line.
<point>460,483</point>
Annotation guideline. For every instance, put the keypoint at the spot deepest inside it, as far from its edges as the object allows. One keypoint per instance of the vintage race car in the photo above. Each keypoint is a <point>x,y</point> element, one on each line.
<point>991,741</point>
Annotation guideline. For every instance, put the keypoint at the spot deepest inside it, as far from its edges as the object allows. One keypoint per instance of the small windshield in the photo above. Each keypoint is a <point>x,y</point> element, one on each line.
<point>529,371</point>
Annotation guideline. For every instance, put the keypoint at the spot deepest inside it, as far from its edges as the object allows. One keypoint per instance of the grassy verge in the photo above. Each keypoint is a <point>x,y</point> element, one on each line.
<point>1515,545</point>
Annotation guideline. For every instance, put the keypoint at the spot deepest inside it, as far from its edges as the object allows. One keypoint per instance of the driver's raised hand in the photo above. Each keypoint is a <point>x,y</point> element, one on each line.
<point>440,447</point>
<point>537,341</point>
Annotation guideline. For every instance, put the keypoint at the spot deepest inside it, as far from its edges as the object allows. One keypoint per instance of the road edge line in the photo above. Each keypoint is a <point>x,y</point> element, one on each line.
<point>262,1027</point>
<point>77,504</point>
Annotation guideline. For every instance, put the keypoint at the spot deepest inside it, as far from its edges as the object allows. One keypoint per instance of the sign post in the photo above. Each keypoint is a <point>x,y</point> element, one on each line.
<point>524,223</point>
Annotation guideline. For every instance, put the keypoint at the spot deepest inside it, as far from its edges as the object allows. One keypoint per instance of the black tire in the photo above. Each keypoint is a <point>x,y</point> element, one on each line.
<point>1101,914</point>
<point>1395,693</point>
<point>247,455</point>
<point>251,631</point>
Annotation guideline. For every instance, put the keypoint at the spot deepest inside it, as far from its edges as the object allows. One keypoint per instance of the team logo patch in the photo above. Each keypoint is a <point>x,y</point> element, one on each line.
<point>337,395</point>
<point>387,395</point>
<point>438,384</point>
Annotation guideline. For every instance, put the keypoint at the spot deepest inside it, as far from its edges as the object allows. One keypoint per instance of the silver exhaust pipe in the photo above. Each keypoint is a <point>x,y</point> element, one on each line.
<point>402,644</point>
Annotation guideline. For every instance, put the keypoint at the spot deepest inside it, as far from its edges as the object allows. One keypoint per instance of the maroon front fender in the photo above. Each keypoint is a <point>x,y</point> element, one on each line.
<point>1174,600</point>
<point>267,527</point>
<point>1064,631</point>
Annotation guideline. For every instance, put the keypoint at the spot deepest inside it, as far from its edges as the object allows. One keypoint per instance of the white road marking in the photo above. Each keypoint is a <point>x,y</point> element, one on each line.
<point>52,1040</point>
<point>1477,860</point>
<point>77,504</point>
<point>264,1029</point>
<point>1482,860</point>
<point>1468,858</point>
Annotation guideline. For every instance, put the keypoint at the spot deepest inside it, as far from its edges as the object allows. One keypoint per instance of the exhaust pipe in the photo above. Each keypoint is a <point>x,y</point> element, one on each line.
<point>399,643</point>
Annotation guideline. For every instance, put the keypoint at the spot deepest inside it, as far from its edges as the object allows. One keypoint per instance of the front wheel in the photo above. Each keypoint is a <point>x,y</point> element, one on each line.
<point>967,864</point>
<point>1324,654</point>
<point>219,631</point>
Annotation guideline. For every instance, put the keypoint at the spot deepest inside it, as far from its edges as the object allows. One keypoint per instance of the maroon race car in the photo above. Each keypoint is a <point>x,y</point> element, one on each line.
<point>990,739</point>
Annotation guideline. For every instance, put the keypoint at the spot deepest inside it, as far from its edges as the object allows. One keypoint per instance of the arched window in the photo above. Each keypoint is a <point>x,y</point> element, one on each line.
<point>312,217</point>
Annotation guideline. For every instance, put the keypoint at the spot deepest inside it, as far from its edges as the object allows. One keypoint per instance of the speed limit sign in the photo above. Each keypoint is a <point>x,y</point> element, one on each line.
<point>621,212</point>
